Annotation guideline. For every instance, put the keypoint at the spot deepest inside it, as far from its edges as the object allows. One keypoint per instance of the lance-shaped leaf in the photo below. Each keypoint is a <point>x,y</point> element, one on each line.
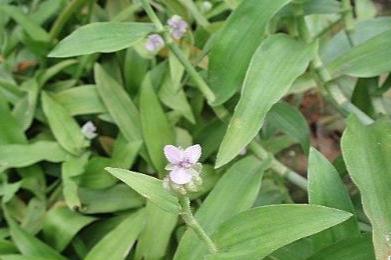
<point>278,61</point>
<point>118,103</point>
<point>235,192</point>
<point>236,43</point>
<point>366,151</point>
<point>64,127</point>
<point>368,59</point>
<point>326,188</point>
<point>149,187</point>
<point>255,233</point>
<point>156,128</point>
<point>119,241</point>
<point>101,37</point>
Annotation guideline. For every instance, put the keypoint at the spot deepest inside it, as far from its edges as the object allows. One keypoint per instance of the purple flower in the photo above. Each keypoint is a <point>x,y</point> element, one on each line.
<point>178,26</point>
<point>89,130</point>
<point>183,163</point>
<point>154,43</point>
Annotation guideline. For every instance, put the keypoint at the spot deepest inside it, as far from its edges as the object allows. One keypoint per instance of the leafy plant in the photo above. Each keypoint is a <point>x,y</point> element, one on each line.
<point>195,129</point>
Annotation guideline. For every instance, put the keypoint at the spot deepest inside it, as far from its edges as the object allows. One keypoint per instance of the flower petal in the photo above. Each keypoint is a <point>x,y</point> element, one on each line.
<point>180,176</point>
<point>173,154</point>
<point>192,153</point>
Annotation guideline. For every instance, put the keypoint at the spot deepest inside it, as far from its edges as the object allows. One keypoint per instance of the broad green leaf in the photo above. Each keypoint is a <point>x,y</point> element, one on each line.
<point>101,37</point>
<point>265,84</point>
<point>135,68</point>
<point>61,225</point>
<point>234,192</point>
<point>118,242</point>
<point>69,170</point>
<point>10,130</point>
<point>357,248</point>
<point>29,25</point>
<point>366,151</point>
<point>20,257</point>
<point>119,104</point>
<point>236,43</point>
<point>365,60</point>
<point>113,199</point>
<point>22,155</point>
<point>151,244</point>
<point>24,109</point>
<point>292,122</point>
<point>326,188</point>
<point>157,130</point>
<point>149,187</point>
<point>80,100</point>
<point>29,245</point>
<point>257,232</point>
<point>64,127</point>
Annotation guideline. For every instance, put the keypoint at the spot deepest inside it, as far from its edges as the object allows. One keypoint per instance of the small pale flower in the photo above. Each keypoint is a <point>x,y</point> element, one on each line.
<point>89,130</point>
<point>183,165</point>
<point>243,151</point>
<point>206,6</point>
<point>178,26</point>
<point>154,43</point>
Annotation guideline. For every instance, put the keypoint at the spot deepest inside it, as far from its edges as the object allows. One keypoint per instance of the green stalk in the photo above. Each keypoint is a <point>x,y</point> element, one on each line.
<point>64,17</point>
<point>220,111</point>
<point>190,221</point>
<point>324,75</point>
<point>348,19</point>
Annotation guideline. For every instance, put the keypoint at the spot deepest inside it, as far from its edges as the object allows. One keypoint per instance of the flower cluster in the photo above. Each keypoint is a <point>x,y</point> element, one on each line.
<point>184,175</point>
<point>177,28</point>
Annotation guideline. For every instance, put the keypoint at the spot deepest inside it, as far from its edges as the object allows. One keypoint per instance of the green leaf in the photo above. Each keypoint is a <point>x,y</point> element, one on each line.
<point>365,60</point>
<point>236,43</point>
<point>24,109</point>
<point>29,245</point>
<point>69,170</point>
<point>61,225</point>
<point>119,104</point>
<point>358,248</point>
<point>116,198</point>
<point>81,100</point>
<point>234,192</point>
<point>28,24</point>
<point>292,122</point>
<point>101,37</point>
<point>257,232</point>
<point>118,242</point>
<point>157,130</point>
<point>64,127</point>
<point>265,84</point>
<point>22,155</point>
<point>10,130</point>
<point>149,187</point>
<point>366,151</point>
<point>152,244</point>
<point>326,188</point>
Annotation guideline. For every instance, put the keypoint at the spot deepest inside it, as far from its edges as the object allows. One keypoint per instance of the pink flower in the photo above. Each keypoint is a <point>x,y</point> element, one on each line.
<point>178,26</point>
<point>154,43</point>
<point>182,163</point>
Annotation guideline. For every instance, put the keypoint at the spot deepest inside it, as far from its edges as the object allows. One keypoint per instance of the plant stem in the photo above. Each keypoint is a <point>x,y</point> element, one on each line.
<point>348,19</point>
<point>203,87</point>
<point>152,15</point>
<point>324,75</point>
<point>190,221</point>
<point>221,111</point>
<point>64,17</point>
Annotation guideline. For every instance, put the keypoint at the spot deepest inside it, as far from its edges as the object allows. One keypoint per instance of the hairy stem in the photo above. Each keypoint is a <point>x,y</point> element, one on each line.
<point>190,221</point>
